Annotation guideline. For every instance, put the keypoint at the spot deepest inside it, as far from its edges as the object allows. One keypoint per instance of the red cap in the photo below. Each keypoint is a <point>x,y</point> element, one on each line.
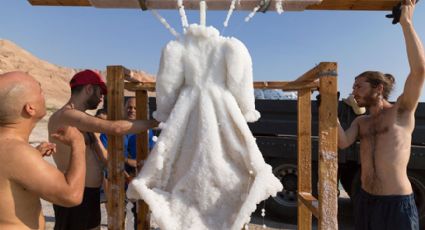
<point>88,77</point>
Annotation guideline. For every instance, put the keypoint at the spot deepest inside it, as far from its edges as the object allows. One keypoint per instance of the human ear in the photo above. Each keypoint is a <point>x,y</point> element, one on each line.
<point>89,89</point>
<point>380,89</point>
<point>29,109</point>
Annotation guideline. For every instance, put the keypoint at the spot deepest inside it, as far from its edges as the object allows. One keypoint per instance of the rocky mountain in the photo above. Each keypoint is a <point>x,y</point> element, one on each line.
<point>54,79</point>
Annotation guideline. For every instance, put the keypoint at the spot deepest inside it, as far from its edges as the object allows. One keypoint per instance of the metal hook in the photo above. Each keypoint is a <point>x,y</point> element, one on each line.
<point>143,5</point>
<point>264,6</point>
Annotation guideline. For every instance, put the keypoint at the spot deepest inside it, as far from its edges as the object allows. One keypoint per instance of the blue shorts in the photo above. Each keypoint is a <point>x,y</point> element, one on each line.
<point>375,212</point>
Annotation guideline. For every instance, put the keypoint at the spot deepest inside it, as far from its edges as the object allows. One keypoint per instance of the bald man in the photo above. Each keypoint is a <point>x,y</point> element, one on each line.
<point>24,176</point>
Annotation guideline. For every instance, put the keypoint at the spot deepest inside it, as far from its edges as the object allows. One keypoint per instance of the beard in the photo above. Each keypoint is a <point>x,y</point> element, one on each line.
<point>368,100</point>
<point>93,101</point>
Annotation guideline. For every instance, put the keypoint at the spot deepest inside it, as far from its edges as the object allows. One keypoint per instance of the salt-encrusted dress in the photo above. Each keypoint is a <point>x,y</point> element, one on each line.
<point>205,171</point>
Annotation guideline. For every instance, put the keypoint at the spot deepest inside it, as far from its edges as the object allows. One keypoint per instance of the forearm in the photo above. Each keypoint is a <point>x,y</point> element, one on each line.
<point>125,127</point>
<point>415,50</point>
<point>341,136</point>
<point>346,137</point>
<point>75,176</point>
<point>101,152</point>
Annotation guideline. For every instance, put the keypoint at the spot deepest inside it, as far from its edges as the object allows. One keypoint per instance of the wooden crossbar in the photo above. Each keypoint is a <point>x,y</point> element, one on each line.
<point>286,86</point>
<point>310,202</point>
<point>244,5</point>
<point>139,86</point>
<point>309,80</point>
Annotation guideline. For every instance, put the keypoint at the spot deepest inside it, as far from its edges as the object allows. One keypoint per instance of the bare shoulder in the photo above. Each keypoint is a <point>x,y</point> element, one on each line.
<point>360,119</point>
<point>64,117</point>
<point>17,154</point>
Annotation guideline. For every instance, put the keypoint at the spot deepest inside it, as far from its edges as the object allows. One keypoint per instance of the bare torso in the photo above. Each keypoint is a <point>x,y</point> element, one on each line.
<point>385,142</point>
<point>94,166</point>
<point>19,208</point>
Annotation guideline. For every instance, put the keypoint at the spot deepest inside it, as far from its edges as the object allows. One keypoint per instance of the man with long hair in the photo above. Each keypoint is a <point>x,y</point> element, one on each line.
<point>386,200</point>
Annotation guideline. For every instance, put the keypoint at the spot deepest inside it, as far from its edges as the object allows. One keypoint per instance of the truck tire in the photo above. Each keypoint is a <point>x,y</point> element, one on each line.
<point>417,180</point>
<point>284,205</point>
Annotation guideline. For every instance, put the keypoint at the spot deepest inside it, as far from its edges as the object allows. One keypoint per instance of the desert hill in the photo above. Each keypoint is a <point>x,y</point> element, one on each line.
<point>54,79</point>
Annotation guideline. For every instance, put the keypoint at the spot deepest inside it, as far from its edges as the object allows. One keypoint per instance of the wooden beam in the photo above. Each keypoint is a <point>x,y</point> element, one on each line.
<point>304,156</point>
<point>286,86</point>
<point>310,202</point>
<point>60,2</point>
<point>142,113</point>
<point>116,196</point>
<point>140,86</point>
<point>244,5</point>
<point>328,153</point>
<point>314,74</point>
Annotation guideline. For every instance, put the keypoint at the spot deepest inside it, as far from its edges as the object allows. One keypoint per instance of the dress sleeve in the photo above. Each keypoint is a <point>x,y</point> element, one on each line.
<point>239,78</point>
<point>169,80</point>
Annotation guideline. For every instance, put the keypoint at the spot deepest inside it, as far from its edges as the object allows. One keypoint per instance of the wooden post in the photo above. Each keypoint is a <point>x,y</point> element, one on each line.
<point>142,113</point>
<point>116,196</point>
<point>304,156</point>
<point>328,150</point>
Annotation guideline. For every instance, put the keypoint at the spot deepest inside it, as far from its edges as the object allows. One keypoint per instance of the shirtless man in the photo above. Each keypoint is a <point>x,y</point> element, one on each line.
<point>24,176</point>
<point>87,90</point>
<point>386,199</point>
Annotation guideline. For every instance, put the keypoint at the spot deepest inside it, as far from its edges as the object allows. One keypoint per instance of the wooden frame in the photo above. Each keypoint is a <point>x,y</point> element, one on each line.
<point>323,78</point>
<point>244,5</point>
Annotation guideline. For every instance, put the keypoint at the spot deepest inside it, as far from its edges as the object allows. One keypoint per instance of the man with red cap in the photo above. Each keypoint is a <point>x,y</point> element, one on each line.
<point>87,91</point>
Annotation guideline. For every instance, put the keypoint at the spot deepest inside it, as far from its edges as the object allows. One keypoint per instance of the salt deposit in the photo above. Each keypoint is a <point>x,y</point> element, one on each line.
<point>206,171</point>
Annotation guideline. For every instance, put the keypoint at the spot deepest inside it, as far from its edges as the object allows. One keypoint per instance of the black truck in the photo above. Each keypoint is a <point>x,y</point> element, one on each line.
<point>276,134</point>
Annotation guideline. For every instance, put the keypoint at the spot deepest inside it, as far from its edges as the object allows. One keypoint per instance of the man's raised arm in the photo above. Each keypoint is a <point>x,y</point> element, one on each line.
<point>415,54</point>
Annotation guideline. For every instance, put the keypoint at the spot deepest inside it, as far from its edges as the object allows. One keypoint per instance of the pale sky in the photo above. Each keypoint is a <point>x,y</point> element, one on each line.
<point>282,47</point>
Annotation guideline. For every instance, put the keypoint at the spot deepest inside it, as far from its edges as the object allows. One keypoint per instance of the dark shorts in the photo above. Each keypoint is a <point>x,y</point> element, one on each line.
<point>81,217</point>
<point>374,212</point>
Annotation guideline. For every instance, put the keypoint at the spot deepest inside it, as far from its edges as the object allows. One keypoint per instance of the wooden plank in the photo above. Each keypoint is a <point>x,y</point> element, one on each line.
<point>287,86</point>
<point>142,113</point>
<point>60,2</point>
<point>244,5</point>
<point>140,86</point>
<point>328,153</point>
<point>311,203</point>
<point>304,155</point>
<point>116,196</point>
<point>376,5</point>
<point>313,74</point>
